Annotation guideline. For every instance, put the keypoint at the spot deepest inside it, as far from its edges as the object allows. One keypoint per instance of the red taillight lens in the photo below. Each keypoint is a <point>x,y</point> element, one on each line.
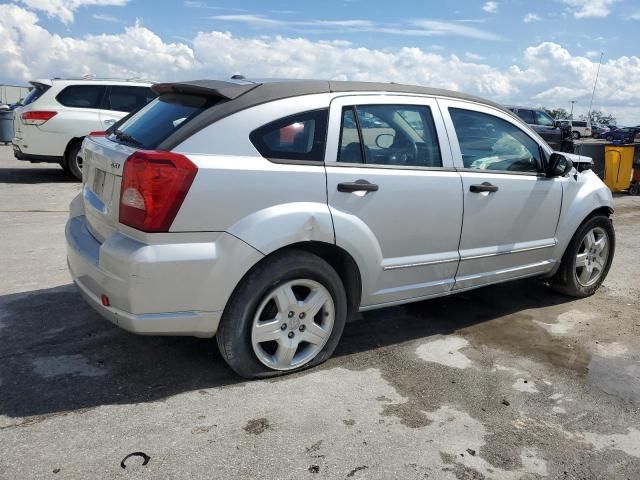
<point>37,117</point>
<point>153,188</point>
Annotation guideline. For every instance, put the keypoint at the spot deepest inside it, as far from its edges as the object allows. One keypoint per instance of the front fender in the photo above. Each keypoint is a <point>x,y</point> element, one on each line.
<point>580,198</point>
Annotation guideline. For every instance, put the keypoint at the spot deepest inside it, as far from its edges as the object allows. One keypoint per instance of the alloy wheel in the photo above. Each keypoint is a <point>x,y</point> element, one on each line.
<point>292,324</point>
<point>592,257</point>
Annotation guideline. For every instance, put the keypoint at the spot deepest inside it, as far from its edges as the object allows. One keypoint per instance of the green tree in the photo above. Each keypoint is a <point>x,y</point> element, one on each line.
<point>557,113</point>
<point>600,118</point>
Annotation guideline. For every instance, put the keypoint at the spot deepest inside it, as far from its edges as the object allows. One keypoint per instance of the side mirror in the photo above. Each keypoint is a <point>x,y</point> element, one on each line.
<point>559,165</point>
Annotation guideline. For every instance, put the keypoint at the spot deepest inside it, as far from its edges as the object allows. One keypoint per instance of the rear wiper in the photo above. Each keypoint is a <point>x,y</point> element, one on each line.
<point>125,137</point>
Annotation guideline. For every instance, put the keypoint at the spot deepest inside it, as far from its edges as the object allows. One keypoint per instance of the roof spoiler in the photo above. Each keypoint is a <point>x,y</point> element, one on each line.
<point>212,88</point>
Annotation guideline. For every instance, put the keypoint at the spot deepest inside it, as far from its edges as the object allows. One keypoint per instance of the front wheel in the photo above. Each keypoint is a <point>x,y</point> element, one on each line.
<point>287,314</point>
<point>587,259</point>
<point>576,135</point>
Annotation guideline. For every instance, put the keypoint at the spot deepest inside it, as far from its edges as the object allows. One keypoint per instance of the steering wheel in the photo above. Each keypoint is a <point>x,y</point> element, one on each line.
<point>405,152</point>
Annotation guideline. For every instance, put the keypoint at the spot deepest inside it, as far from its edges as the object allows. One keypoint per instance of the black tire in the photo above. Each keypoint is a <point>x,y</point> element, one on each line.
<point>71,161</point>
<point>234,332</point>
<point>576,135</point>
<point>565,280</point>
<point>63,164</point>
<point>609,138</point>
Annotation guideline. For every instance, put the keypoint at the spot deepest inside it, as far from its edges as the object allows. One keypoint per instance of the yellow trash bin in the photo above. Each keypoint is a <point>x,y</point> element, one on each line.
<point>618,166</point>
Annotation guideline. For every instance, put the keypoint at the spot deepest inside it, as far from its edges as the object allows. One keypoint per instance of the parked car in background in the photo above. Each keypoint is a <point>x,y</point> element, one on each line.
<point>266,214</point>
<point>622,134</point>
<point>580,128</point>
<point>556,133</point>
<point>57,114</point>
<point>597,130</point>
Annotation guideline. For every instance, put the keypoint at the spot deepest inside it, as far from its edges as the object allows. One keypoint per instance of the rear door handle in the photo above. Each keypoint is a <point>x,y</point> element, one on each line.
<point>483,187</point>
<point>357,186</point>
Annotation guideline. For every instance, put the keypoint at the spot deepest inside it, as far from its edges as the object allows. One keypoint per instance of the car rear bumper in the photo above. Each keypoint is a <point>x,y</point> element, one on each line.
<point>139,291</point>
<point>20,155</point>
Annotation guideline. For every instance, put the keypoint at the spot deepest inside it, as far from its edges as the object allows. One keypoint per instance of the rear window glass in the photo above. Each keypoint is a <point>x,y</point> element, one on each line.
<point>128,98</point>
<point>150,126</point>
<point>34,94</point>
<point>297,137</point>
<point>82,96</point>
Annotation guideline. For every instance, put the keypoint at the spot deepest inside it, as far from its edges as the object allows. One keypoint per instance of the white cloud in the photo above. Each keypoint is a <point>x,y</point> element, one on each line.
<point>491,7</point>
<point>473,56</point>
<point>544,74</point>
<point>106,18</point>
<point>590,8</point>
<point>531,17</point>
<point>64,9</point>
<point>417,28</point>
<point>635,16</point>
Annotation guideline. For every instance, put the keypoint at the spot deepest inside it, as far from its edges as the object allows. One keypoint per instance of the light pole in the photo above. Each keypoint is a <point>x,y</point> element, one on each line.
<point>572,102</point>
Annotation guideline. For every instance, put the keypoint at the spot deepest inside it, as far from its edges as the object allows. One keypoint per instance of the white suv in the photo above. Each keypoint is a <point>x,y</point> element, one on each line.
<point>268,213</point>
<point>57,114</point>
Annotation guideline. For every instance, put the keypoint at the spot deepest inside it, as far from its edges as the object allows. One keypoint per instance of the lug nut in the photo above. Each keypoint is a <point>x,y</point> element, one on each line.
<point>302,315</point>
<point>291,314</point>
<point>291,334</point>
<point>283,326</point>
<point>302,328</point>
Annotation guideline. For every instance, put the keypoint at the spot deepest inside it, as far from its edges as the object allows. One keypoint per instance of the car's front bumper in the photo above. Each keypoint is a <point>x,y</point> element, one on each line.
<point>137,288</point>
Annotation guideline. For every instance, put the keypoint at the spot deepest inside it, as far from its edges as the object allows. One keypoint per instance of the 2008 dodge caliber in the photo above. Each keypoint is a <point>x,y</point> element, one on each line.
<point>268,213</point>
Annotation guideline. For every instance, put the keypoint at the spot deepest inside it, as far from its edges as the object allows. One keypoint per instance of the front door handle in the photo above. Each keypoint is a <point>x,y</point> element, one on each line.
<point>357,186</point>
<point>483,187</point>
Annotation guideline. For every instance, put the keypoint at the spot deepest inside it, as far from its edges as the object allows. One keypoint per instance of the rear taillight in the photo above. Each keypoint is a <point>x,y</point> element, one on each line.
<point>154,185</point>
<point>37,117</point>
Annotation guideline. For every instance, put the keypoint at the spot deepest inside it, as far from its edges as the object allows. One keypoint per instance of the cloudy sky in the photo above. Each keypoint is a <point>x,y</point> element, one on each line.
<point>541,53</point>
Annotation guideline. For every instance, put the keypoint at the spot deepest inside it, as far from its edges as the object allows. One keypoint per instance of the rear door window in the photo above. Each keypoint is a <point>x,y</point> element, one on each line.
<point>298,137</point>
<point>527,116</point>
<point>154,123</point>
<point>399,135</point>
<point>126,98</point>
<point>82,96</point>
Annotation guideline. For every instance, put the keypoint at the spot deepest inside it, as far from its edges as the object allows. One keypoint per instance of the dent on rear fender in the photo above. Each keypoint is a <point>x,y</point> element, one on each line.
<point>275,227</point>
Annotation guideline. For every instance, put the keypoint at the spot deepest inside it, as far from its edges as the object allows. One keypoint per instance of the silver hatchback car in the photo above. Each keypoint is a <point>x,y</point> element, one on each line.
<point>267,213</point>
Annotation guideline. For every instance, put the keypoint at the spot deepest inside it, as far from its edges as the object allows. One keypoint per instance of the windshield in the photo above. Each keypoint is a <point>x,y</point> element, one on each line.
<point>151,125</point>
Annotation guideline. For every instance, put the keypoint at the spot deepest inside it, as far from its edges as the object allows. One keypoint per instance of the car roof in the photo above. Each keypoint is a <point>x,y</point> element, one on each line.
<point>240,94</point>
<point>265,90</point>
<point>91,81</point>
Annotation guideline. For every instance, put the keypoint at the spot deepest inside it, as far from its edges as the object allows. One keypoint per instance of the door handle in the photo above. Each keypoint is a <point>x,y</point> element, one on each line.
<point>109,121</point>
<point>483,187</point>
<point>357,186</point>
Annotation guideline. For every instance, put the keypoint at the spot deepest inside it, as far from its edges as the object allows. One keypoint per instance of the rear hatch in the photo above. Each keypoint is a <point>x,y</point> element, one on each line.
<point>104,157</point>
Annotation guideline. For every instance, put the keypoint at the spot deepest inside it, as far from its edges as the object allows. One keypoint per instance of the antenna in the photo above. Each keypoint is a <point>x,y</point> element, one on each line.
<point>594,86</point>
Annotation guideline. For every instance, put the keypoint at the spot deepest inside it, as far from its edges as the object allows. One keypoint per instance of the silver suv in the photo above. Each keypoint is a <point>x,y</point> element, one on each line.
<point>267,213</point>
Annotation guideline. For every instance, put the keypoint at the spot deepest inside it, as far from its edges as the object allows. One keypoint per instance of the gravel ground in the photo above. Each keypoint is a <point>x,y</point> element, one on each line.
<point>506,382</point>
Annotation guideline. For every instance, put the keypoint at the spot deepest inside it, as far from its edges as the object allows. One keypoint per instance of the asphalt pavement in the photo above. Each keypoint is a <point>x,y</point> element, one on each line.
<point>507,382</point>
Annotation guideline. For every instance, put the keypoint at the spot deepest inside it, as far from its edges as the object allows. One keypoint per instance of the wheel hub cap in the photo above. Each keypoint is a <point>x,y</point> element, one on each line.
<point>592,257</point>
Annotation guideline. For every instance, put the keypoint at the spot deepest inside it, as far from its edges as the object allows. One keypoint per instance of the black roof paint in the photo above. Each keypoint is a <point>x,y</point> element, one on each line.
<point>240,95</point>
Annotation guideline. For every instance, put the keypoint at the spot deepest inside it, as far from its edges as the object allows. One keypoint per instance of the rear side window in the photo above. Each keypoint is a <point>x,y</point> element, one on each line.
<point>298,137</point>
<point>544,120</point>
<point>34,94</point>
<point>82,96</point>
<point>154,123</point>
<point>579,124</point>
<point>527,116</point>
<point>127,98</point>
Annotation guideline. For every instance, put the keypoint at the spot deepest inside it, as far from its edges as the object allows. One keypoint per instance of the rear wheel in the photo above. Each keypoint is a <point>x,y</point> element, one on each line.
<point>287,314</point>
<point>576,135</point>
<point>73,162</point>
<point>587,259</point>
